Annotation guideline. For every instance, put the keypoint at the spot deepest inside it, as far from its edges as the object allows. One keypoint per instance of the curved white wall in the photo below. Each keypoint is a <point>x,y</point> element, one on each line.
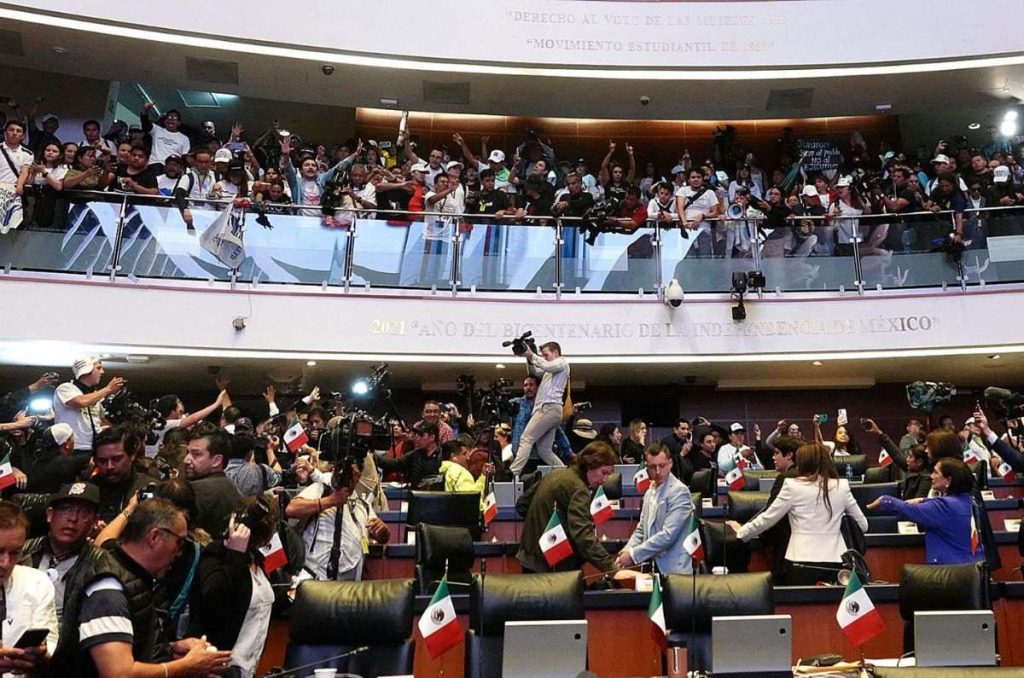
<point>288,322</point>
<point>681,34</point>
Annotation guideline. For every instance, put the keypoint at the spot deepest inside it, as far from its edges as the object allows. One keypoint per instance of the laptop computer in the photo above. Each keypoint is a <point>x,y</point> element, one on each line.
<point>544,649</point>
<point>627,471</point>
<point>506,494</point>
<point>955,638</point>
<point>765,484</point>
<point>752,645</point>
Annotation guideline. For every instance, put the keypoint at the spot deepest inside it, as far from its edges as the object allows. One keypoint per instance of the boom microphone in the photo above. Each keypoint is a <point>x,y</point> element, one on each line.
<point>997,394</point>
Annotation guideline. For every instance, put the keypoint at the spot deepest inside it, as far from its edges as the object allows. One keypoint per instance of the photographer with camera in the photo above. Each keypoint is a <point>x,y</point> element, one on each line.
<point>553,371</point>
<point>231,602</point>
<point>250,477</point>
<point>113,471</point>
<point>79,403</point>
<point>335,546</point>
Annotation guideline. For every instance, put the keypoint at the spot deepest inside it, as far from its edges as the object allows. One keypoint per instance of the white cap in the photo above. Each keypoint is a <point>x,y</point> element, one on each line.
<point>809,191</point>
<point>47,117</point>
<point>843,181</point>
<point>419,167</point>
<point>223,155</point>
<point>496,156</point>
<point>61,433</point>
<point>678,169</point>
<point>970,421</point>
<point>84,365</point>
<point>941,157</point>
<point>453,163</point>
<point>736,427</point>
<point>1001,174</point>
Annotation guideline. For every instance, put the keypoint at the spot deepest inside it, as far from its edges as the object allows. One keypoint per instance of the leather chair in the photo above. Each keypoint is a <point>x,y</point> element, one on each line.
<point>704,482</point>
<point>438,547</point>
<point>857,462</point>
<point>743,505</point>
<point>454,509</point>
<point>716,596</point>
<point>865,494</point>
<point>334,617</point>
<point>613,486</point>
<point>877,474</point>
<point>752,479</point>
<point>722,547</point>
<point>498,598</point>
<point>941,587</point>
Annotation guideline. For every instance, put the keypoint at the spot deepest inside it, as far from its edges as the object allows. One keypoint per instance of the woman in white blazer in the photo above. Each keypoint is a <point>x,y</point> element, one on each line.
<point>815,502</point>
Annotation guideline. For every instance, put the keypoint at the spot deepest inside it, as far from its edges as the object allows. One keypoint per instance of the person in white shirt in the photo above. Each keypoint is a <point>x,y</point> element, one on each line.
<point>553,371</point>
<point>167,140</point>
<point>28,599</point>
<point>696,203</point>
<point>15,156</point>
<point>168,181</point>
<point>78,403</point>
<point>91,130</point>
<point>735,453</point>
<point>320,504</point>
<point>662,207</point>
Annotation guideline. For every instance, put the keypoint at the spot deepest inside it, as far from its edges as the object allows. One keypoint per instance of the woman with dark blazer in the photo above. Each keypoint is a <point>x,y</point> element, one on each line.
<point>950,536</point>
<point>232,599</point>
<point>814,503</point>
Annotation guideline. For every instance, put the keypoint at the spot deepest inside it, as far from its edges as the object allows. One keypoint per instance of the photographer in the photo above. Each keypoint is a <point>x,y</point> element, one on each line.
<point>546,419</point>
<point>79,403</point>
<point>251,478</point>
<point>114,473</point>
<point>56,462</point>
<point>335,548</point>
<point>231,602</point>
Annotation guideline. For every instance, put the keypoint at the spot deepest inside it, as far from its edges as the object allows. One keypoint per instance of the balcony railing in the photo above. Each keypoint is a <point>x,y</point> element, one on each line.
<point>116,235</point>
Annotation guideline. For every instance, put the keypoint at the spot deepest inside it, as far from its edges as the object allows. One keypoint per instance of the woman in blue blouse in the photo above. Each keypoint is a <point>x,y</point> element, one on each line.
<point>950,535</point>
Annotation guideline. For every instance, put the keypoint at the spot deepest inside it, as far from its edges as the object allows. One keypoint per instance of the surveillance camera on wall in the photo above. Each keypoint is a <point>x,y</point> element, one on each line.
<point>644,100</point>
<point>238,323</point>
<point>327,69</point>
<point>674,294</point>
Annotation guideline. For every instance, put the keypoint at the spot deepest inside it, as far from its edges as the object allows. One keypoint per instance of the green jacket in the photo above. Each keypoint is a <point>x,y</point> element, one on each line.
<point>565,491</point>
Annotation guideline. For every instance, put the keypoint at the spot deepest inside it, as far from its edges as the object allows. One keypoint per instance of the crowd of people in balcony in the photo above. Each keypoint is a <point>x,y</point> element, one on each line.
<point>885,201</point>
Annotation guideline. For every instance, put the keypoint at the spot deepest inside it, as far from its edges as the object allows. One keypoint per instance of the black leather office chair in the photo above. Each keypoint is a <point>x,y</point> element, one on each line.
<point>716,596</point>
<point>865,494</point>
<point>752,479</point>
<point>334,617</point>
<point>454,509</point>
<point>878,474</point>
<point>941,587</point>
<point>958,672</point>
<point>704,481</point>
<point>438,547</point>
<point>722,547</point>
<point>858,464</point>
<point>613,486</point>
<point>743,505</point>
<point>498,598</point>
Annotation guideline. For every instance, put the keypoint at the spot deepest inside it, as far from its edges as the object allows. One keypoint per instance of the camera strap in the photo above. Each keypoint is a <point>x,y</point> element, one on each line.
<point>88,410</point>
<point>332,562</point>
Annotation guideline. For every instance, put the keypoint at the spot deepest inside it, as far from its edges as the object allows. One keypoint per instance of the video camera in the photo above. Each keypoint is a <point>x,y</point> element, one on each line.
<point>124,407</point>
<point>925,395</point>
<point>522,343</point>
<point>1009,405</point>
<point>496,401</point>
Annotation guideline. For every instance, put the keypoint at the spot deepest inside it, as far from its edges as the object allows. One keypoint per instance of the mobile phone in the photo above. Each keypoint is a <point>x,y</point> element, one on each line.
<point>864,422</point>
<point>32,638</point>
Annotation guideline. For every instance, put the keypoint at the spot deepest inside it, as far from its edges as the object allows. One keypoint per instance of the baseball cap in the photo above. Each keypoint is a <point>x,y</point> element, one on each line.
<point>84,365</point>
<point>174,157</point>
<point>222,155</point>
<point>419,167</point>
<point>678,169</point>
<point>941,157</point>
<point>60,433</point>
<point>809,191</point>
<point>584,428</point>
<point>843,181</point>
<point>86,492</point>
<point>48,117</point>
<point>1001,174</point>
<point>496,156</point>
<point>736,427</point>
<point>453,163</point>
<point>723,176</point>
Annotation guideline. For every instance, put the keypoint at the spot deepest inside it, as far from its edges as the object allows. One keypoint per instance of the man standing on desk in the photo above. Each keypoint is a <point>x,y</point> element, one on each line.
<point>553,371</point>
<point>666,510</point>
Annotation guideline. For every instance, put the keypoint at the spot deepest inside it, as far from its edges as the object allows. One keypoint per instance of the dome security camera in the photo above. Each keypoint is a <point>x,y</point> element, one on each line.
<point>644,100</point>
<point>327,69</point>
<point>238,323</point>
<point>674,294</point>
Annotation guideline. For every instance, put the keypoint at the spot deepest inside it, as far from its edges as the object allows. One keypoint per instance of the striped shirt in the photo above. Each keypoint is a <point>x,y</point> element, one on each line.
<point>104,616</point>
<point>554,375</point>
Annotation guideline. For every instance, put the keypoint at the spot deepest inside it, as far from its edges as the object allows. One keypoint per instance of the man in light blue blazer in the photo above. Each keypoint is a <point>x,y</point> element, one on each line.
<point>666,511</point>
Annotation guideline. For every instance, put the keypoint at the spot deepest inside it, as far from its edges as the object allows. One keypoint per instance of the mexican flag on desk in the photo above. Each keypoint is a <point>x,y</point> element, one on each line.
<point>656,613</point>
<point>1006,472</point>
<point>6,472</point>
<point>735,479</point>
<point>440,627</point>
<point>554,543</point>
<point>692,542</point>
<point>857,616</point>
<point>490,508</point>
<point>884,459</point>
<point>642,480</point>
<point>600,508</point>
<point>274,555</point>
